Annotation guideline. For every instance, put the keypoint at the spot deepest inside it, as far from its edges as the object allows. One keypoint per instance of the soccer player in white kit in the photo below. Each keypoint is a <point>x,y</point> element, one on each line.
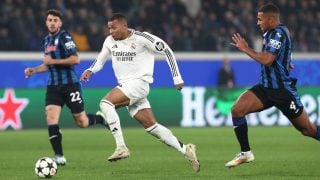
<point>132,53</point>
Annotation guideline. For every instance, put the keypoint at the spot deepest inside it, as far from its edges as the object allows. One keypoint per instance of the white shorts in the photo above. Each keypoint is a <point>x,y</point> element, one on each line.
<point>137,91</point>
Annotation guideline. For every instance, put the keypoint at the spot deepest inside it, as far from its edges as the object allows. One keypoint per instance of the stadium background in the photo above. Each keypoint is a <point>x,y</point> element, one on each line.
<point>198,31</point>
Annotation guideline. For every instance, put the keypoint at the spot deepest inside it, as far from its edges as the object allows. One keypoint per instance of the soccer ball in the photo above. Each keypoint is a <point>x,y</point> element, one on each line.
<point>46,167</point>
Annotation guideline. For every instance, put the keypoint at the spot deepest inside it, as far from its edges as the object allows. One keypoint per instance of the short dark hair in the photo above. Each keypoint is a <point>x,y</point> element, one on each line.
<point>54,12</point>
<point>269,8</point>
<point>118,16</point>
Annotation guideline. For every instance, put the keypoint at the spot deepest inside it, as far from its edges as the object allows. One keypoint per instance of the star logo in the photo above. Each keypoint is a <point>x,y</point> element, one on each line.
<point>10,109</point>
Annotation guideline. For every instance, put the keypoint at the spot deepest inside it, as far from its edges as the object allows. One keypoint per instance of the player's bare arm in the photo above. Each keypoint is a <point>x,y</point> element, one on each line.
<point>86,75</point>
<point>30,71</point>
<point>261,57</point>
<point>72,60</point>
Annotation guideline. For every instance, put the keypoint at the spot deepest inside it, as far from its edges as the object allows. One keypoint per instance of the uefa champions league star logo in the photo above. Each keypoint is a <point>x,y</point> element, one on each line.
<point>10,110</point>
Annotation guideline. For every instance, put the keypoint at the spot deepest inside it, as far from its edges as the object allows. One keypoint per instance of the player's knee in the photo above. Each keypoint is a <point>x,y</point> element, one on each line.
<point>81,120</point>
<point>237,111</point>
<point>105,104</point>
<point>147,124</point>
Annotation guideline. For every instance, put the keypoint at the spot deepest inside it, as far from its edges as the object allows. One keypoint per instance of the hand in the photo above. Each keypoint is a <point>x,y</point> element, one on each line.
<point>85,75</point>
<point>239,42</point>
<point>291,66</point>
<point>179,86</point>
<point>28,72</point>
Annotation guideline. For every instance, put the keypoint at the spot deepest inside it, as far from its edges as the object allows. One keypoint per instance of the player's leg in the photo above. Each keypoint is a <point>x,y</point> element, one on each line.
<point>291,106</point>
<point>84,120</point>
<point>305,126</point>
<point>107,105</point>
<point>74,101</point>
<point>247,102</point>
<point>148,121</point>
<point>146,118</point>
<point>54,104</point>
<point>55,135</point>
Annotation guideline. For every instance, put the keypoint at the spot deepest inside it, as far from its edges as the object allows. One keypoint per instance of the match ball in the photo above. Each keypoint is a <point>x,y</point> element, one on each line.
<point>46,167</point>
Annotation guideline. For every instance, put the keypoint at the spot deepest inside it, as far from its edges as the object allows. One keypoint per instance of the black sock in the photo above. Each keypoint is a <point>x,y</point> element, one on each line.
<point>318,133</point>
<point>55,137</point>
<point>95,119</point>
<point>241,131</point>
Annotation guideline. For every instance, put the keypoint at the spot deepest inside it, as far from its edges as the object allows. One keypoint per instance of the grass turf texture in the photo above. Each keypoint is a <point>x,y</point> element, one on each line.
<point>281,153</point>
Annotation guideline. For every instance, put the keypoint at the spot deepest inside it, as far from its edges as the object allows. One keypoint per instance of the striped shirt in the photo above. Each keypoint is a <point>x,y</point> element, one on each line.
<point>60,46</point>
<point>277,42</point>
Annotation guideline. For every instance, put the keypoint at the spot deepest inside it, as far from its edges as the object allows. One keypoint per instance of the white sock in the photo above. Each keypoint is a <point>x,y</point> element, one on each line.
<point>166,136</point>
<point>113,120</point>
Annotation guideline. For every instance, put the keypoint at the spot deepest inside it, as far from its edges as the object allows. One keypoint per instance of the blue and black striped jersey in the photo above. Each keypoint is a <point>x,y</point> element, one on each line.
<point>278,42</point>
<point>61,46</point>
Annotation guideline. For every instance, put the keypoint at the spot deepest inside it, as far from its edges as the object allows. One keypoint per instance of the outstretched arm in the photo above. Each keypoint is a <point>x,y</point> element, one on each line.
<point>261,57</point>
<point>97,64</point>
<point>32,70</point>
<point>171,60</point>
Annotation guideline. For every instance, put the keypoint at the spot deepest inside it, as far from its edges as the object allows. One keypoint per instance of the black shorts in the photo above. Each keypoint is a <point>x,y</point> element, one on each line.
<point>69,94</point>
<point>287,100</point>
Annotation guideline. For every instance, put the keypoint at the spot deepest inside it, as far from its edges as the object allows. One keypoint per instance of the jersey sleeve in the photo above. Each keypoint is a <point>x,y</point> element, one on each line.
<point>68,44</point>
<point>101,58</point>
<point>158,46</point>
<point>276,40</point>
<point>44,45</point>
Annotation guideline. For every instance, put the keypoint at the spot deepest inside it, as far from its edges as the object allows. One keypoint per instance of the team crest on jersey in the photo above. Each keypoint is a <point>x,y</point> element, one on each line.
<point>133,46</point>
<point>159,46</point>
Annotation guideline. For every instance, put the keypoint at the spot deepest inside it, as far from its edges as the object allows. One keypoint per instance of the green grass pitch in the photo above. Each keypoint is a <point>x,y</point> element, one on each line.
<point>281,153</point>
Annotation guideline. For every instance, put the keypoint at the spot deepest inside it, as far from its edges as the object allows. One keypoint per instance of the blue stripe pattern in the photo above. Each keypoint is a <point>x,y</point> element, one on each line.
<point>61,46</point>
<point>277,41</point>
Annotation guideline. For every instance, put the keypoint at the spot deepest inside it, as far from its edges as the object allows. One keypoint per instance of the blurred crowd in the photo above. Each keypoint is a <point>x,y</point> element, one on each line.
<point>186,25</point>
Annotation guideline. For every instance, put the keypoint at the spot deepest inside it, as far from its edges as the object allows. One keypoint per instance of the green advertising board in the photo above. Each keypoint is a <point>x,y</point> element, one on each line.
<point>192,107</point>
<point>25,108</point>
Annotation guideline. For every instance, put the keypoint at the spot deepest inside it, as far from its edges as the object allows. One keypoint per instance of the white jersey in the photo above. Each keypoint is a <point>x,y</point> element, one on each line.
<point>133,57</point>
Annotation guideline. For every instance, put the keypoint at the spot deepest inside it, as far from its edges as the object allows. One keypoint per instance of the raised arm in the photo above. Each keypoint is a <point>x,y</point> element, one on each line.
<point>264,58</point>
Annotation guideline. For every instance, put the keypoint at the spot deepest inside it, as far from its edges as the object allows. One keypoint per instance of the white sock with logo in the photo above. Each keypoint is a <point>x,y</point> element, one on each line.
<point>113,121</point>
<point>166,136</point>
